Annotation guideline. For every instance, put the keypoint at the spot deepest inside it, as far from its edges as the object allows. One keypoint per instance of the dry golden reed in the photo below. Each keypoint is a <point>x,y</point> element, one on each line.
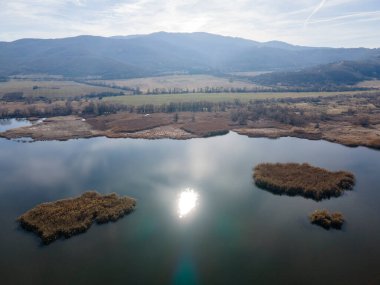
<point>72,216</point>
<point>302,179</point>
<point>327,220</point>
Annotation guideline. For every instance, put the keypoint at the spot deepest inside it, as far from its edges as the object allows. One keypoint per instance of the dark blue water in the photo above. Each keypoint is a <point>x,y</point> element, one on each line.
<point>237,233</point>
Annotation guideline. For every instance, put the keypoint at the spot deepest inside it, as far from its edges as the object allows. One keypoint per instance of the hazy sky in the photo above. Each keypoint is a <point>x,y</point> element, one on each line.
<point>349,23</point>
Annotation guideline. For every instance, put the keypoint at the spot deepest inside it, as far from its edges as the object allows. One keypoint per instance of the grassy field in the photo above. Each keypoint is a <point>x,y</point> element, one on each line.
<point>370,84</point>
<point>249,73</point>
<point>178,81</point>
<point>51,89</point>
<point>215,97</point>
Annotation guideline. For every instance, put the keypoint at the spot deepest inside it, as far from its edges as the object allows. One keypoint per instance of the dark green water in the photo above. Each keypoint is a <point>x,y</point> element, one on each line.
<point>237,234</point>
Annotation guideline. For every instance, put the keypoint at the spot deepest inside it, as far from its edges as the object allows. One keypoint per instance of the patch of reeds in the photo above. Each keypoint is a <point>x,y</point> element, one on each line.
<point>72,216</point>
<point>327,220</point>
<point>302,179</point>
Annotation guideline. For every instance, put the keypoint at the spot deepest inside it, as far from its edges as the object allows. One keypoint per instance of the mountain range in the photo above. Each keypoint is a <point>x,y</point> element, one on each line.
<point>162,53</point>
<point>340,73</point>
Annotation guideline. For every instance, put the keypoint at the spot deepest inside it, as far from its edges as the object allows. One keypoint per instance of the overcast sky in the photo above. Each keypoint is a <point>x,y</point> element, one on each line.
<point>336,23</point>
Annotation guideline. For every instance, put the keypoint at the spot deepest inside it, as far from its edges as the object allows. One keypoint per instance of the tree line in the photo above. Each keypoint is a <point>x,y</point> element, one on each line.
<point>282,110</point>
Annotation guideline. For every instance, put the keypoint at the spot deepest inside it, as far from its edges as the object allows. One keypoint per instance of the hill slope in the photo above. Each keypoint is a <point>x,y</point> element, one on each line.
<point>160,53</point>
<point>337,74</point>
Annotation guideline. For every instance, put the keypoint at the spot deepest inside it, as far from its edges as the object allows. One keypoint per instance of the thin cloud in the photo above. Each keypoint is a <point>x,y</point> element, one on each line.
<point>315,11</point>
<point>353,15</point>
<point>261,20</point>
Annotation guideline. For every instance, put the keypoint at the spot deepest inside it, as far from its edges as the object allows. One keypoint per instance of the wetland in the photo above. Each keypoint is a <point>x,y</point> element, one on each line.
<point>302,179</point>
<point>72,216</point>
<point>200,217</point>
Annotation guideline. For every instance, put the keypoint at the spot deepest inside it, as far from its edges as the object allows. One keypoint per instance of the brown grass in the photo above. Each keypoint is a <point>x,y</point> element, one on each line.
<point>129,122</point>
<point>177,81</point>
<point>347,120</point>
<point>217,97</point>
<point>369,84</point>
<point>52,88</point>
<point>327,220</point>
<point>206,124</point>
<point>303,180</point>
<point>72,216</point>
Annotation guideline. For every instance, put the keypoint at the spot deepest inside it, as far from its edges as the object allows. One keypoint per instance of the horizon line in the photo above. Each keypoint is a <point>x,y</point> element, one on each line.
<point>183,33</point>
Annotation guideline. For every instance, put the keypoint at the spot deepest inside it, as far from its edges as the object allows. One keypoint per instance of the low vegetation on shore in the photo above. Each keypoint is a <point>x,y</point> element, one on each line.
<point>348,118</point>
<point>326,219</point>
<point>302,179</point>
<point>65,218</point>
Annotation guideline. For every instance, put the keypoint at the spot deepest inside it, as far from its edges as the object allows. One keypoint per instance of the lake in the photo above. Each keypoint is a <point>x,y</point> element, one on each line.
<point>6,124</point>
<point>235,234</point>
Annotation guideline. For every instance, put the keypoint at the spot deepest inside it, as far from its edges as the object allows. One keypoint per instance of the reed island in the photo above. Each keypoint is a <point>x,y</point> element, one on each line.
<point>302,179</point>
<point>68,217</point>
<point>326,219</point>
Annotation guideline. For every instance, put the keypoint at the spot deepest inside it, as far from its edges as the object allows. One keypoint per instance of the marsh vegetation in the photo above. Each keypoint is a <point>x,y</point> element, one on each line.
<point>302,179</point>
<point>72,216</point>
<point>349,118</point>
<point>326,219</point>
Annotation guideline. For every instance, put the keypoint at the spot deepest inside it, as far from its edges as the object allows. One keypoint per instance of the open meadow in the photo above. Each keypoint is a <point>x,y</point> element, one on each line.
<point>51,89</point>
<point>189,82</point>
<point>218,97</point>
<point>369,84</point>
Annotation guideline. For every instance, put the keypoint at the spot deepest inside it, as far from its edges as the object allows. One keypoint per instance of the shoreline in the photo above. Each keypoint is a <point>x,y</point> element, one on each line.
<point>159,126</point>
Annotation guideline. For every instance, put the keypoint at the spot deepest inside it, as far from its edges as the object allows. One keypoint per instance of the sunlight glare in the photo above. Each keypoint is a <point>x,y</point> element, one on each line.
<point>187,202</point>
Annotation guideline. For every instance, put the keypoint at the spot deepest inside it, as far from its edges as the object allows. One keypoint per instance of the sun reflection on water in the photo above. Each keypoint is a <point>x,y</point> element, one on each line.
<point>187,202</point>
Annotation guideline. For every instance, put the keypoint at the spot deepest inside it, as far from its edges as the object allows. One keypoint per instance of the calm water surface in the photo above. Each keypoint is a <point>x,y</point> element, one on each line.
<point>229,232</point>
<point>6,124</point>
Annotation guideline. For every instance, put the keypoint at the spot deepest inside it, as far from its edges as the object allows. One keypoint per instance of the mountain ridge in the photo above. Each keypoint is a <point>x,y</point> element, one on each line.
<point>342,73</point>
<point>161,53</point>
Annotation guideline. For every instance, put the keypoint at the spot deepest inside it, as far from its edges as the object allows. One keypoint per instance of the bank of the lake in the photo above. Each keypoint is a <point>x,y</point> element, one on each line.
<point>188,126</point>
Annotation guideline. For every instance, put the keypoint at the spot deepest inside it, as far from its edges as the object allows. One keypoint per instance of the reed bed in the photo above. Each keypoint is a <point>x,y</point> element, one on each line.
<point>302,179</point>
<point>327,220</point>
<point>65,218</point>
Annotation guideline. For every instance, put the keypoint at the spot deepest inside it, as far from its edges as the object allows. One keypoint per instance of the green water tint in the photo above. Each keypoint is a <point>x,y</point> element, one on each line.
<point>186,273</point>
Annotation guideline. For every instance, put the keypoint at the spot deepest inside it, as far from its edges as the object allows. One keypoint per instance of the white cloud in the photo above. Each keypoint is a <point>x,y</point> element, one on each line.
<point>328,22</point>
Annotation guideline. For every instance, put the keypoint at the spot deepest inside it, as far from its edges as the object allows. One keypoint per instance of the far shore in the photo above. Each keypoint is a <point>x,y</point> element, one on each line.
<point>347,119</point>
<point>188,126</point>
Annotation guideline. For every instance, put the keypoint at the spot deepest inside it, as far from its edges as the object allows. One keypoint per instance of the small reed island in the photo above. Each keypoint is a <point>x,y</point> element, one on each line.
<point>65,218</point>
<point>302,179</point>
<point>327,220</point>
